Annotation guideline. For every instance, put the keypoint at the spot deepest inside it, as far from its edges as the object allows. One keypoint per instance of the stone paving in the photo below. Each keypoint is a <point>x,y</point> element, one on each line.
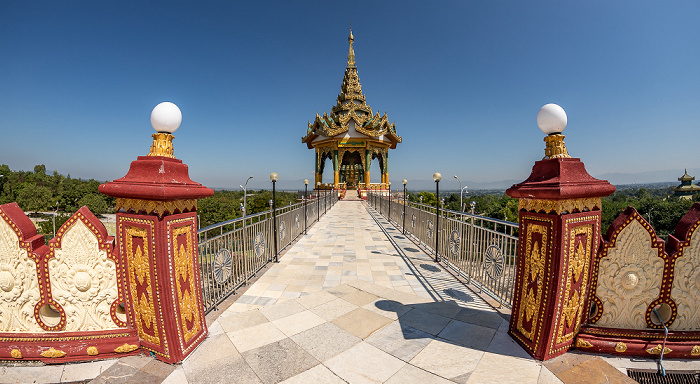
<point>353,301</point>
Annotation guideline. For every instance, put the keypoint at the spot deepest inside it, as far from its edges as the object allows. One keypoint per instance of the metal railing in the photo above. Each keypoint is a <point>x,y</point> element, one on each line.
<point>481,249</point>
<point>233,251</point>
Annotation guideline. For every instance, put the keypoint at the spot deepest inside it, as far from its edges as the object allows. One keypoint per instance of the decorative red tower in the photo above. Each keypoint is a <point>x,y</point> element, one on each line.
<point>157,244</point>
<point>559,226</point>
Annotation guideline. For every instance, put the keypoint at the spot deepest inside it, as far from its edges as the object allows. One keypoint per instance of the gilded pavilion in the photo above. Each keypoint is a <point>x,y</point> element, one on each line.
<point>686,189</point>
<point>351,136</point>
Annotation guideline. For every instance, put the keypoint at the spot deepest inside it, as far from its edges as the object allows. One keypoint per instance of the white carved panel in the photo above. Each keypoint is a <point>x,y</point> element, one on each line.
<point>629,279</point>
<point>686,285</point>
<point>19,286</point>
<point>83,280</point>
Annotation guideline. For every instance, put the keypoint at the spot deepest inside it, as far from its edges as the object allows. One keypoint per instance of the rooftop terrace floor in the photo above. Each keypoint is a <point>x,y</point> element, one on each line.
<point>353,301</point>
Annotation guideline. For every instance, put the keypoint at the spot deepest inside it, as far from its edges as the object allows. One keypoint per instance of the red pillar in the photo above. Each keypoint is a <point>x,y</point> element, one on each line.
<point>157,243</point>
<point>559,230</point>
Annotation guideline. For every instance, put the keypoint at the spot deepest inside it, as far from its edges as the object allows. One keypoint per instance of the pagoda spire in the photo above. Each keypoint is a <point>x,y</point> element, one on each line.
<point>351,52</point>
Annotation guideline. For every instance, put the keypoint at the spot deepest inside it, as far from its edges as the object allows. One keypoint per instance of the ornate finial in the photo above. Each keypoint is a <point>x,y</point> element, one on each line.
<point>165,119</point>
<point>552,120</point>
<point>351,52</point>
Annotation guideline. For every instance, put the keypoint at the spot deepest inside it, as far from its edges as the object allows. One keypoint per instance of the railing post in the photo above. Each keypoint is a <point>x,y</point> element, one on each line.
<point>306,198</point>
<point>557,247</point>
<point>157,242</point>
<point>273,178</point>
<point>403,225</point>
<point>437,177</point>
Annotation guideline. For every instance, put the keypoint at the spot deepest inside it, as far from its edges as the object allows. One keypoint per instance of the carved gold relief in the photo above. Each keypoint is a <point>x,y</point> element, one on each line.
<point>695,351</point>
<point>52,353</point>
<point>620,347</point>
<point>92,351</point>
<point>140,274</point>
<point>629,278</point>
<point>16,354</point>
<point>530,301</point>
<point>19,284</point>
<point>162,145</point>
<point>184,278</point>
<point>125,348</point>
<point>657,350</point>
<point>83,279</point>
<point>583,344</point>
<point>686,284</point>
<point>157,207</point>
<point>559,206</point>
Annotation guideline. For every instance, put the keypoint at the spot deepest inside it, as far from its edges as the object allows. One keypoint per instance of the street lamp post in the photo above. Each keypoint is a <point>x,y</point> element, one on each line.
<point>318,201</point>
<point>437,177</point>
<point>306,198</point>
<point>274,177</point>
<point>54,219</point>
<point>460,191</point>
<point>463,206</point>
<point>389,186</point>
<point>245,195</point>
<point>403,225</point>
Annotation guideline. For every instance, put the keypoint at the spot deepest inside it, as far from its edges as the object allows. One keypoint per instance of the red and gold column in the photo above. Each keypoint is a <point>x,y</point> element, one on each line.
<point>157,243</point>
<point>559,227</point>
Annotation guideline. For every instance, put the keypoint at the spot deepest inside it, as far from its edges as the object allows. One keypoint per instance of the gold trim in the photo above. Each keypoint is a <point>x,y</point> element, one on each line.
<point>657,350</point>
<point>555,147</point>
<point>92,351</point>
<point>138,268</point>
<point>583,344</point>
<point>158,207</point>
<point>559,206</point>
<point>126,348</point>
<point>52,353</point>
<point>184,278</point>
<point>162,145</point>
<point>695,351</point>
<point>620,347</point>
<point>16,354</point>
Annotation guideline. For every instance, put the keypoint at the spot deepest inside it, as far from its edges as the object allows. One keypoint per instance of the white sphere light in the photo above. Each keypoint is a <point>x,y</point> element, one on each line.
<point>166,117</point>
<point>551,119</point>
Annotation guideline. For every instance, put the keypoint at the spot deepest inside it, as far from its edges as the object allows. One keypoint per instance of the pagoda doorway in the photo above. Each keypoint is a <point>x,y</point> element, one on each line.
<point>351,170</point>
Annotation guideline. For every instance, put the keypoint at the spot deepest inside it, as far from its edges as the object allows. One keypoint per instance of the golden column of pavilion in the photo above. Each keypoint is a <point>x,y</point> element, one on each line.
<point>351,136</point>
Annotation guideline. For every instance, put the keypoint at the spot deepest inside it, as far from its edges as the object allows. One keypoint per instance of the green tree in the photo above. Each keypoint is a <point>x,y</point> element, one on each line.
<point>95,202</point>
<point>34,198</point>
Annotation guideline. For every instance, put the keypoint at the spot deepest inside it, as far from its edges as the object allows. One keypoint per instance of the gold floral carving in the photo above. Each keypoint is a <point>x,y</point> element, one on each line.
<point>629,278</point>
<point>125,348</point>
<point>185,279</point>
<point>530,301</point>
<point>162,145</point>
<point>92,351</point>
<point>555,147</point>
<point>83,278</point>
<point>16,354</point>
<point>140,274</point>
<point>686,283</point>
<point>657,350</point>
<point>52,353</point>
<point>695,351</point>
<point>559,206</point>
<point>157,207</point>
<point>19,284</point>
<point>579,254</point>
<point>583,344</point>
<point>620,347</point>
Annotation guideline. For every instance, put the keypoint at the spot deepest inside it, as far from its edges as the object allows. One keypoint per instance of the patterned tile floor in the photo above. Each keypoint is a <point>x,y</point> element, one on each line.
<point>353,301</point>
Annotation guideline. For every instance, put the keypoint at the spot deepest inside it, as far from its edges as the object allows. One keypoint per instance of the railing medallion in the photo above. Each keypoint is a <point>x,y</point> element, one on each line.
<point>430,229</point>
<point>283,230</point>
<point>494,263</point>
<point>223,265</point>
<point>455,242</point>
<point>259,244</point>
<point>297,222</point>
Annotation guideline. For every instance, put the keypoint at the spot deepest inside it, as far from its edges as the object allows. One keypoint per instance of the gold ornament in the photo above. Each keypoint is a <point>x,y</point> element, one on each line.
<point>695,351</point>
<point>53,353</point>
<point>555,147</point>
<point>157,207</point>
<point>16,354</point>
<point>583,344</point>
<point>92,351</point>
<point>657,350</point>
<point>620,347</point>
<point>162,145</point>
<point>126,348</point>
<point>559,206</point>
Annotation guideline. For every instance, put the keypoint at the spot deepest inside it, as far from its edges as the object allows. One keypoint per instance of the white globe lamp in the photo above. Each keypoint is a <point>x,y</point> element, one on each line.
<point>551,119</point>
<point>166,117</point>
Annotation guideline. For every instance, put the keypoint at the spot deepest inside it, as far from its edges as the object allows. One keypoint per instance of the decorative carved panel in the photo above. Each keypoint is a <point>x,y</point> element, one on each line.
<point>83,275</point>
<point>686,276</point>
<point>630,274</point>
<point>19,284</point>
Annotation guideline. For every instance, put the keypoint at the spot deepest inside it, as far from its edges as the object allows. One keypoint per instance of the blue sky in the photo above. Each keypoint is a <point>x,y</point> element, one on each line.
<point>463,80</point>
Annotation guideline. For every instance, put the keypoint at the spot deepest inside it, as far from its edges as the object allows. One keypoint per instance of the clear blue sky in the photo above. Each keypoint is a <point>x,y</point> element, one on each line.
<point>463,80</point>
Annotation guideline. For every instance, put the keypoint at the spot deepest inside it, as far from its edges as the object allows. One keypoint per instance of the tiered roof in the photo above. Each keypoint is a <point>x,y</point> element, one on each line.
<point>351,105</point>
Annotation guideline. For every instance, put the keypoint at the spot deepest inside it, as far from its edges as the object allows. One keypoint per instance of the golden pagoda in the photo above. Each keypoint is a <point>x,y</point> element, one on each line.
<point>351,136</point>
<point>687,189</point>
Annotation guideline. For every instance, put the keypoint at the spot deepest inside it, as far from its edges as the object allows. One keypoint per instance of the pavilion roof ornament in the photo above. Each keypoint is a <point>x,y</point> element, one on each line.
<point>351,105</point>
